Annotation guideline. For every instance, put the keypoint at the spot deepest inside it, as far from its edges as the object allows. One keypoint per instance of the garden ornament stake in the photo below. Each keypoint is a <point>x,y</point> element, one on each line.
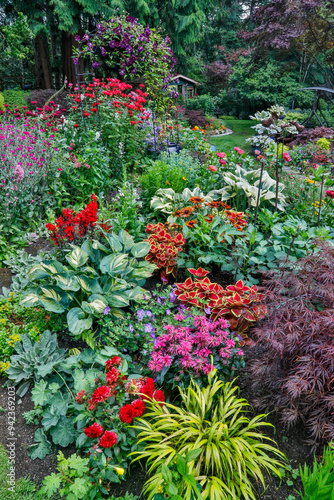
<point>321,194</point>
<point>259,193</point>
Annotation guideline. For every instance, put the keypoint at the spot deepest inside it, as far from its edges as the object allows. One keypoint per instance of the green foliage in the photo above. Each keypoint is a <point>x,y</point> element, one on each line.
<point>213,418</point>
<point>21,489</point>
<point>15,98</point>
<point>177,171</point>
<point>2,100</point>
<point>323,143</point>
<point>100,280</point>
<point>318,481</point>
<point>34,361</point>
<point>71,480</point>
<point>15,321</point>
<point>176,476</point>
<point>242,189</point>
<point>204,101</point>
<point>167,201</point>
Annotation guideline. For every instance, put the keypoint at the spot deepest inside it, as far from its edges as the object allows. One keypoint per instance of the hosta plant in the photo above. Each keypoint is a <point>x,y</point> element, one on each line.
<point>99,280</point>
<point>239,304</point>
<point>233,451</point>
<point>167,201</point>
<point>242,186</point>
<point>33,361</point>
<point>165,246</point>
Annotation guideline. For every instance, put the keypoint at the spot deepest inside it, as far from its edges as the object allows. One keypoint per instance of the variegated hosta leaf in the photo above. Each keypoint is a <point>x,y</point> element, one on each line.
<point>77,257</point>
<point>53,298</point>
<point>144,270</point>
<point>95,307</point>
<point>89,285</point>
<point>37,272</point>
<point>118,299</point>
<point>137,293</point>
<point>140,249</point>
<point>114,264</point>
<point>78,321</point>
<point>126,239</point>
<point>114,242</point>
<point>67,281</point>
<point>30,298</point>
<point>115,284</point>
<point>51,305</point>
<point>52,267</point>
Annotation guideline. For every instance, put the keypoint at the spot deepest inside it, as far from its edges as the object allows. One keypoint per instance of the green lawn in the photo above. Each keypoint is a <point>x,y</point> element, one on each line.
<point>23,489</point>
<point>241,131</point>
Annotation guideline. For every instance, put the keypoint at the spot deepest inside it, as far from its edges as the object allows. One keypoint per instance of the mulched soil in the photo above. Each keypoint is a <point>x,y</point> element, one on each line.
<point>291,442</point>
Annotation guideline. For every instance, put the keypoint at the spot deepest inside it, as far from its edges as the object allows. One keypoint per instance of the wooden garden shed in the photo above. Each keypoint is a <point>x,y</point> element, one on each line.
<point>185,86</point>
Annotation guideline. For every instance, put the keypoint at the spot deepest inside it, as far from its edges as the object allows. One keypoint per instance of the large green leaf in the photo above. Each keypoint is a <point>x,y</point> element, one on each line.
<point>114,284</point>
<point>140,249</point>
<point>41,447</point>
<point>53,266</point>
<point>77,257</point>
<point>64,433</point>
<point>30,298</point>
<point>67,281</point>
<point>40,394</point>
<point>117,299</point>
<point>59,403</point>
<point>114,242</point>
<point>51,304</point>
<point>89,285</point>
<point>96,305</point>
<point>37,272</point>
<point>114,264</point>
<point>50,419</point>
<point>78,321</point>
<point>126,239</point>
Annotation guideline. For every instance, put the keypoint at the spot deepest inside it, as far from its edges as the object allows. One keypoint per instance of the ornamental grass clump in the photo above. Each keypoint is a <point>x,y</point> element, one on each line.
<point>233,451</point>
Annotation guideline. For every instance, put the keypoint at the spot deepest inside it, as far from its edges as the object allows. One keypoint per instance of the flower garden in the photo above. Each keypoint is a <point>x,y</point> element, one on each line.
<point>166,330</point>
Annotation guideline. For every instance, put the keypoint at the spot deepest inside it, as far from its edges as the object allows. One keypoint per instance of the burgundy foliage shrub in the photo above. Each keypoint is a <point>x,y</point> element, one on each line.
<point>313,134</point>
<point>41,96</point>
<point>196,117</point>
<point>295,369</point>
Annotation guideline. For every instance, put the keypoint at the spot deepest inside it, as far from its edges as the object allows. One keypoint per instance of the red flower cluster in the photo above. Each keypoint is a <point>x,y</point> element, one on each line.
<point>108,440</point>
<point>164,250</point>
<point>94,431</point>
<point>114,361</point>
<point>113,376</point>
<point>128,412</point>
<point>69,225</point>
<point>101,394</point>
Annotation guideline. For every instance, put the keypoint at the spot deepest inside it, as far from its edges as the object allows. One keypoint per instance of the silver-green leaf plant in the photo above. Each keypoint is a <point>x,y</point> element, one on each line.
<point>99,278</point>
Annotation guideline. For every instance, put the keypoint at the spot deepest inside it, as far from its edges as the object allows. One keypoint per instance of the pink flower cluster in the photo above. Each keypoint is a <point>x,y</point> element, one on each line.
<point>192,347</point>
<point>25,153</point>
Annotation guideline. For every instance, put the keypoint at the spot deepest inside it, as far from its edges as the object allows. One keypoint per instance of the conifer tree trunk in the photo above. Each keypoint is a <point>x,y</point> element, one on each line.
<point>68,41</point>
<point>42,62</point>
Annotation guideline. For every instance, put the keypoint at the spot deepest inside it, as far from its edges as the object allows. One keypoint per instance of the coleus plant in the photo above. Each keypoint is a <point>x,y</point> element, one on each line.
<point>239,304</point>
<point>164,249</point>
<point>99,280</point>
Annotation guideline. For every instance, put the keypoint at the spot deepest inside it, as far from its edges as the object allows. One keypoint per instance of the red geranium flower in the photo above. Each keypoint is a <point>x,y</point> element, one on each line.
<point>94,431</point>
<point>108,439</point>
<point>147,389</point>
<point>126,414</point>
<point>101,394</point>
<point>138,407</point>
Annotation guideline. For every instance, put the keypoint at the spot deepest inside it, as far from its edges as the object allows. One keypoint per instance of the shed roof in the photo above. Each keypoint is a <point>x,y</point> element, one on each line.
<point>185,78</point>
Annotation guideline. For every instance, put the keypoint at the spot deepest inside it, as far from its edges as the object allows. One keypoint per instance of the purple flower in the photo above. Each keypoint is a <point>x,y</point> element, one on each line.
<point>140,314</point>
<point>77,38</point>
<point>207,310</point>
<point>149,328</point>
<point>96,64</point>
<point>168,312</point>
<point>85,38</point>
<point>130,328</point>
<point>75,60</point>
<point>172,297</point>
<point>148,314</point>
<point>106,310</point>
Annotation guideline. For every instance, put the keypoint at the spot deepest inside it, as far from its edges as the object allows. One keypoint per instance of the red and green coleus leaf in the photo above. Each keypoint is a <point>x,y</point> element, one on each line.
<point>199,273</point>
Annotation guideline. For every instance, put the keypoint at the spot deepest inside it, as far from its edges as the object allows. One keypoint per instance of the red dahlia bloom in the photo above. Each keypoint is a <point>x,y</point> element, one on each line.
<point>159,396</point>
<point>113,375</point>
<point>108,440</point>
<point>114,361</point>
<point>81,396</point>
<point>101,394</point>
<point>138,408</point>
<point>94,431</point>
<point>91,405</point>
<point>147,389</point>
<point>126,414</point>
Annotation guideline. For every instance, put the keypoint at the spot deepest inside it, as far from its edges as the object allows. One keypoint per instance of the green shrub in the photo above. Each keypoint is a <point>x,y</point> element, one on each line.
<point>318,482</point>
<point>205,102</point>
<point>15,98</point>
<point>175,171</point>
<point>2,107</point>
<point>233,452</point>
